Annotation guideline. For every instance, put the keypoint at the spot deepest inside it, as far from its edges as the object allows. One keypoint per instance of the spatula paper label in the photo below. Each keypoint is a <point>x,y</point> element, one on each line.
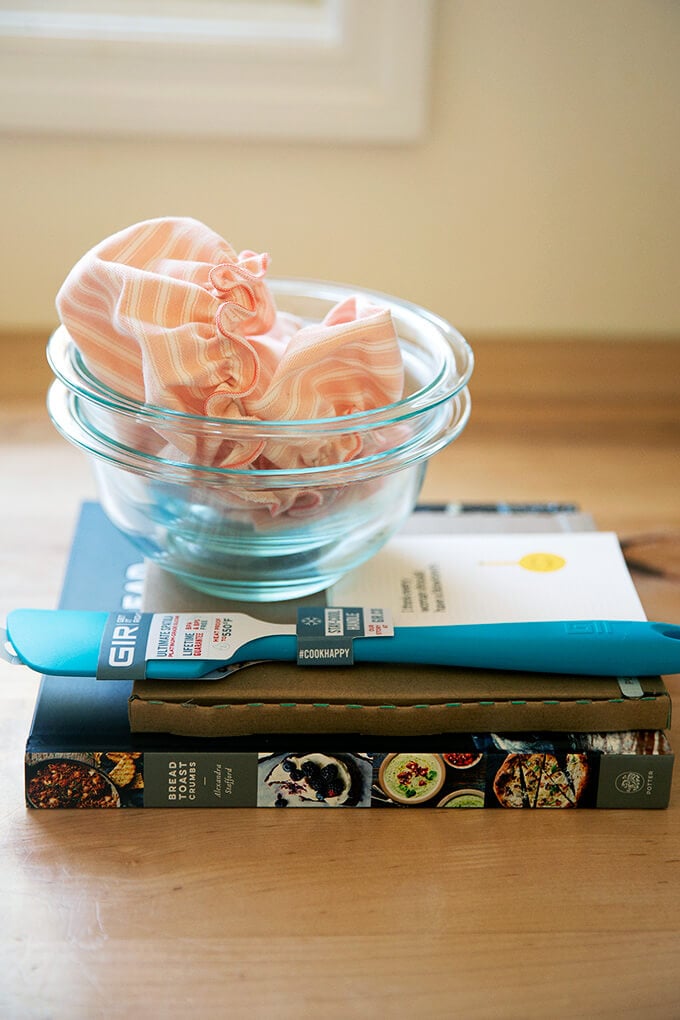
<point>130,640</point>
<point>326,634</point>
<point>324,637</point>
<point>122,653</point>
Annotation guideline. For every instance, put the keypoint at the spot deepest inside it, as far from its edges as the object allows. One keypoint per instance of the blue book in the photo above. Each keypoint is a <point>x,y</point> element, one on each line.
<point>81,752</point>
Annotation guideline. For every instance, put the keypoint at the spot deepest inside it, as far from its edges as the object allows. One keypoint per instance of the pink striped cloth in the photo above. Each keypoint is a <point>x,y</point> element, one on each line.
<point>166,312</point>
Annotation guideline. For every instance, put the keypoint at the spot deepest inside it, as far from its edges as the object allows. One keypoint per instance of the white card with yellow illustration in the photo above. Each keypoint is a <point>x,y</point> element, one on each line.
<point>495,578</point>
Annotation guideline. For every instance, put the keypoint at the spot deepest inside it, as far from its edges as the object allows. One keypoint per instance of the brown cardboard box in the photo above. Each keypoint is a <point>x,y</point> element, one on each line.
<point>274,697</point>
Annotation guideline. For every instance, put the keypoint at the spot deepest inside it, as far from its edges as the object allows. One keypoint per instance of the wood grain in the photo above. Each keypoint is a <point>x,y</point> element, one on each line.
<point>247,913</point>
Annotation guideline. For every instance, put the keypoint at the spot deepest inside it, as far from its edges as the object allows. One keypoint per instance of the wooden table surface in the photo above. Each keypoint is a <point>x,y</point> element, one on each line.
<point>265,914</point>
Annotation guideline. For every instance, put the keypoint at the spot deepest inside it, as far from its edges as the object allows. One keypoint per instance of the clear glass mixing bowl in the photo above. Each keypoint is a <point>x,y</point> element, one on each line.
<point>265,535</point>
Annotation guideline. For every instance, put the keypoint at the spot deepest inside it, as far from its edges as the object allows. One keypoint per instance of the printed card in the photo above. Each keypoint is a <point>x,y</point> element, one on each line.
<point>495,578</point>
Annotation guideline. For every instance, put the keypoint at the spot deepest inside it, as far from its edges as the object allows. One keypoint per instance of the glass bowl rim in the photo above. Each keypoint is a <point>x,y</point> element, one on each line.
<point>123,457</point>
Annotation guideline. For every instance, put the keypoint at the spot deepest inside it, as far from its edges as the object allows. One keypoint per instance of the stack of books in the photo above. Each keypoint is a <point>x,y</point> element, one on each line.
<point>379,736</point>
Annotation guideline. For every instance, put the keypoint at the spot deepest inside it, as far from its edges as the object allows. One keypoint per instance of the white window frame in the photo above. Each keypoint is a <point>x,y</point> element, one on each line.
<point>331,70</point>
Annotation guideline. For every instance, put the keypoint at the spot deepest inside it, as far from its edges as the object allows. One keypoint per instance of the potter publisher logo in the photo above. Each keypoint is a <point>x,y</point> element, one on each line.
<point>629,782</point>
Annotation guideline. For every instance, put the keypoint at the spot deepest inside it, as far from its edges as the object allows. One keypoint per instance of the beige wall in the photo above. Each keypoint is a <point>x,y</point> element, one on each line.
<point>544,198</point>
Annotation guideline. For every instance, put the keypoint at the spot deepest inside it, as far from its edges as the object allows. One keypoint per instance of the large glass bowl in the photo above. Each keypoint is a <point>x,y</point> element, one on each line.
<point>266,535</point>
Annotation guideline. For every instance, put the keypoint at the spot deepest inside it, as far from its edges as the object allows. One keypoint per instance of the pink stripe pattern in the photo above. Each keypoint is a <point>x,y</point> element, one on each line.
<point>167,313</point>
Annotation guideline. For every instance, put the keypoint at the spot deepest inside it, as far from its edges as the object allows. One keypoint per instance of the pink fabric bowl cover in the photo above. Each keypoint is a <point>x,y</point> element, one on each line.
<point>166,312</point>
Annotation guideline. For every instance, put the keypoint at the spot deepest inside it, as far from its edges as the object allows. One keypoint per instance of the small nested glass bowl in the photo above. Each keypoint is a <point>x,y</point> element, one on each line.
<point>265,535</point>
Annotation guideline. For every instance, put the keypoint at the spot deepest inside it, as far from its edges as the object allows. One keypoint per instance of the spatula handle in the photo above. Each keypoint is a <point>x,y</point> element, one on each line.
<point>67,643</point>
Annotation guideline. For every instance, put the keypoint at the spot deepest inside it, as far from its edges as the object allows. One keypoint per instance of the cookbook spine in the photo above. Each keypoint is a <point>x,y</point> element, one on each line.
<point>421,779</point>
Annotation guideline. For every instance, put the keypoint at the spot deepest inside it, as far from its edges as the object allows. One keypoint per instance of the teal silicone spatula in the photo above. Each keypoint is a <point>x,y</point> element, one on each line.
<point>67,643</point>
